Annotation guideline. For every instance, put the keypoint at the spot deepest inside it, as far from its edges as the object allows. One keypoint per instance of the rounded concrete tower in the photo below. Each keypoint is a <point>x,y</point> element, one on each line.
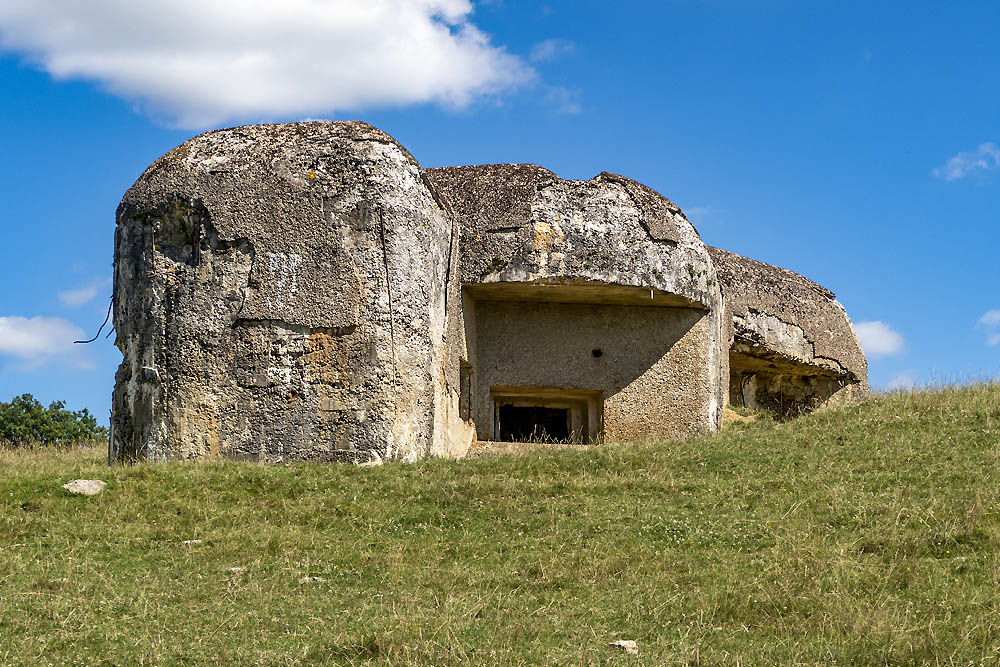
<point>281,293</point>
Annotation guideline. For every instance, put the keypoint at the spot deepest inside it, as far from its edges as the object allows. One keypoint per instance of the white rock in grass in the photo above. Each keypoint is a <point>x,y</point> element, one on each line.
<point>191,543</point>
<point>311,580</point>
<point>88,487</point>
<point>626,645</point>
<point>236,570</point>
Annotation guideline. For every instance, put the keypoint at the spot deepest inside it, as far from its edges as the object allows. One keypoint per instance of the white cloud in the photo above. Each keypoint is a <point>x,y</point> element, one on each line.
<point>904,381</point>
<point>991,318</point>
<point>990,322</point>
<point>196,63</point>
<point>878,339</point>
<point>81,295</point>
<point>563,101</point>
<point>550,49</point>
<point>984,158</point>
<point>38,341</point>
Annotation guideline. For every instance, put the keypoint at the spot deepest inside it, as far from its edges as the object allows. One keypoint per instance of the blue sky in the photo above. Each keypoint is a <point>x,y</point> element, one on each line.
<point>856,143</point>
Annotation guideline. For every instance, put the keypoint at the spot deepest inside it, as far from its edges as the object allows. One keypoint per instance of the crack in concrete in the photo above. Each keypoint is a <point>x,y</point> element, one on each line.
<point>622,182</point>
<point>388,291</point>
<point>759,339</point>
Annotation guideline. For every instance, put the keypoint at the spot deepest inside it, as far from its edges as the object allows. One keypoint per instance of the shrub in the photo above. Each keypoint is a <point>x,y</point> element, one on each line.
<point>24,420</point>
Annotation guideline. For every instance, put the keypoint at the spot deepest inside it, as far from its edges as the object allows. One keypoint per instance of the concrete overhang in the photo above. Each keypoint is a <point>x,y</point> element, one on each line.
<point>578,291</point>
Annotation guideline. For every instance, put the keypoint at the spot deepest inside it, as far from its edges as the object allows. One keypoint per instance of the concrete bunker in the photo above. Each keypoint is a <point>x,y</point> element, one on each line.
<point>594,297</point>
<point>792,347</point>
<point>308,292</point>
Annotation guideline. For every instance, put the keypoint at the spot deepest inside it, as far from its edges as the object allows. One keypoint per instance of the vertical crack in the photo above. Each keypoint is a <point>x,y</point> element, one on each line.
<point>447,271</point>
<point>388,289</point>
<point>392,324</point>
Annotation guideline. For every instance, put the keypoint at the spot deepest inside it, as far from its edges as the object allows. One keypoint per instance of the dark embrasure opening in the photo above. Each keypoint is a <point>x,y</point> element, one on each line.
<point>533,422</point>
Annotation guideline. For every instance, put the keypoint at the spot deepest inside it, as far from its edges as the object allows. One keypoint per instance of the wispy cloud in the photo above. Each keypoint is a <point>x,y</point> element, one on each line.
<point>81,295</point>
<point>698,214</point>
<point>697,211</point>
<point>878,339</point>
<point>196,64</point>
<point>990,323</point>
<point>550,49</point>
<point>903,381</point>
<point>40,341</point>
<point>985,158</point>
<point>563,100</point>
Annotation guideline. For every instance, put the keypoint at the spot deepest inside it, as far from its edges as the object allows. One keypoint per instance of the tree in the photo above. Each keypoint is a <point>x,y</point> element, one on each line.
<point>24,420</point>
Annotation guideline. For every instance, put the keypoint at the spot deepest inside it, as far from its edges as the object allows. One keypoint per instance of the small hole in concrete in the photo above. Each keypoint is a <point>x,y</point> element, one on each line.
<point>597,352</point>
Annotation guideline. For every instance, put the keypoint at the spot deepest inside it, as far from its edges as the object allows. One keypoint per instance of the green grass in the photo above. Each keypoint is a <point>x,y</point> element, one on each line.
<point>866,535</point>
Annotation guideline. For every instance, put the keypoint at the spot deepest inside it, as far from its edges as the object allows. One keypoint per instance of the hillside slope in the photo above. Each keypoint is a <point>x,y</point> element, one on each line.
<point>868,534</point>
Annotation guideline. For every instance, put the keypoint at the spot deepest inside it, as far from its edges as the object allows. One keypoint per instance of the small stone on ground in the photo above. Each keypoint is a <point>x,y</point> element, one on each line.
<point>87,487</point>
<point>626,645</point>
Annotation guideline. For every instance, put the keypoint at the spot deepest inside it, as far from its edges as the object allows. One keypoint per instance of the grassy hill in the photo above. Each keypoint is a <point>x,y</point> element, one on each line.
<point>863,535</point>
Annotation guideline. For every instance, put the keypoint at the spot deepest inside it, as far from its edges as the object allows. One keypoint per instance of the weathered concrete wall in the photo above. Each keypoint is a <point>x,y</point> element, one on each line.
<point>280,292</point>
<point>530,236</point>
<point>650,373</point>
<point>793,347</point>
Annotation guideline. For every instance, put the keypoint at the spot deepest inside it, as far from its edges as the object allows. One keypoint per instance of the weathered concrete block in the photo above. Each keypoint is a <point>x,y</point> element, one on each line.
<point>268,276</point>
